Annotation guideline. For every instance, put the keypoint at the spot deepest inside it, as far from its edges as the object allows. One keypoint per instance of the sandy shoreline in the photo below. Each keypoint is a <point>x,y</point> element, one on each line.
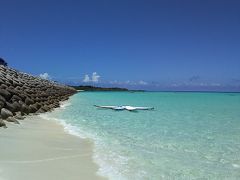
<point>39,149</point>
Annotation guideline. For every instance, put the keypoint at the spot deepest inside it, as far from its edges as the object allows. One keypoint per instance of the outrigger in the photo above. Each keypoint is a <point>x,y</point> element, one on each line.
<point>129,108</point>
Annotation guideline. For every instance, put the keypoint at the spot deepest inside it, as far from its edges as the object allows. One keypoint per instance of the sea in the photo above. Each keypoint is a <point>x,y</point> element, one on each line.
<point>188,135</point>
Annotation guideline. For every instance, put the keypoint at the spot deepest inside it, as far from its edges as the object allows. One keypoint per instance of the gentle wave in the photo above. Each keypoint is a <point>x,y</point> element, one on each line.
<point>182,139</point>
<point>105,169</point>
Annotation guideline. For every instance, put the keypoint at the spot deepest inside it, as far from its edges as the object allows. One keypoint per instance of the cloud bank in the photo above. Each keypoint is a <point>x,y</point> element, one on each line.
<point>95,78</point>
<point>142,83</point>
<point>86,78</point>
<point>131,83</point>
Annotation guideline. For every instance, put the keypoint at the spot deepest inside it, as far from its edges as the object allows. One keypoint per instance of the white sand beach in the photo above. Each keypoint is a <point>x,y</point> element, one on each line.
<point>40,149</point>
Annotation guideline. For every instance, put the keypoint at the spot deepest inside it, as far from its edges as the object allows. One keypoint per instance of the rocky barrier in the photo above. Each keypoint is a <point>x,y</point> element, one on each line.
<point>22,94</point>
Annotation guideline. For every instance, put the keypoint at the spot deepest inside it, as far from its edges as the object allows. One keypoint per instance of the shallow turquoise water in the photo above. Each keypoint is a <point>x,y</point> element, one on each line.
<point>187,136</point>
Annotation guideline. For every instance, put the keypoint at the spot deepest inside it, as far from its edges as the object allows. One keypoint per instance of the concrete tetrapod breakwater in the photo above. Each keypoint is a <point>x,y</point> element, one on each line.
<point>22,94</point>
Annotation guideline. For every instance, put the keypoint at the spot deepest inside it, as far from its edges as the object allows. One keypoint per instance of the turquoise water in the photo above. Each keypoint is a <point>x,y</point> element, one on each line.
<point>187,136</point>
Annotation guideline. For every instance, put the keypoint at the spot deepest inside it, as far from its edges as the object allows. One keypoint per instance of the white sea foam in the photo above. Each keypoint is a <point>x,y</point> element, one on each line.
<point>100,156</point>
<point>107,169</point>
<point>64,104</point>
<point>236,165</point>
<point>178,142</point>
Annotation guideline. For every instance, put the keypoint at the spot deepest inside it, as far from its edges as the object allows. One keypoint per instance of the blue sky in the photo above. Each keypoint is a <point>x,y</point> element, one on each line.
<point>151,44</point>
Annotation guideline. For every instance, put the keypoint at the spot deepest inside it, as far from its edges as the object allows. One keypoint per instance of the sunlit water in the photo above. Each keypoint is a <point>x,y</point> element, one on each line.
<point>187,136</point>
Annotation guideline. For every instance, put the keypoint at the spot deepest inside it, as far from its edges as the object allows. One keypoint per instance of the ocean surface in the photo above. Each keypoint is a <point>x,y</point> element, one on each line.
<point>187,136</point>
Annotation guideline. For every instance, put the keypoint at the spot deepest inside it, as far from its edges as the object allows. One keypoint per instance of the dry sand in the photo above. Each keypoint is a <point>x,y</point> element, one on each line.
<point>39,149</point>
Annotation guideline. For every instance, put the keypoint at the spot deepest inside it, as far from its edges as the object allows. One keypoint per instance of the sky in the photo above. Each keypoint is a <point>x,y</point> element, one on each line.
<point>138,44</point>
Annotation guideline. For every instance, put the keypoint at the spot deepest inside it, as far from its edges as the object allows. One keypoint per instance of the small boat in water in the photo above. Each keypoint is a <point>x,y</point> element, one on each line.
<point>129,108</point>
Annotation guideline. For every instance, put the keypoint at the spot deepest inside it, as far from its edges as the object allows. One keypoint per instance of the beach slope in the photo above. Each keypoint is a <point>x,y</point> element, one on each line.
<point>40,149</point>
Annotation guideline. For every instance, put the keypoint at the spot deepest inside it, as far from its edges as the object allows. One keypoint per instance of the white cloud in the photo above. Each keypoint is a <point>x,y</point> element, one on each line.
<point>114,82</point>
<point>129,83</point>
<point>86,78</point>
<point>175,85</point>
<point>200,84</point>
<point>142,83</point>
<point>45,76</point>
<point>95,78</point>
<point>215,84</point>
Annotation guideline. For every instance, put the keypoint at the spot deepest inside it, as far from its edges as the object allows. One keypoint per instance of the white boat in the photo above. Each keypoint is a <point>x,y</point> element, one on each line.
<point>132,108</point>
<point>129,108</point>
